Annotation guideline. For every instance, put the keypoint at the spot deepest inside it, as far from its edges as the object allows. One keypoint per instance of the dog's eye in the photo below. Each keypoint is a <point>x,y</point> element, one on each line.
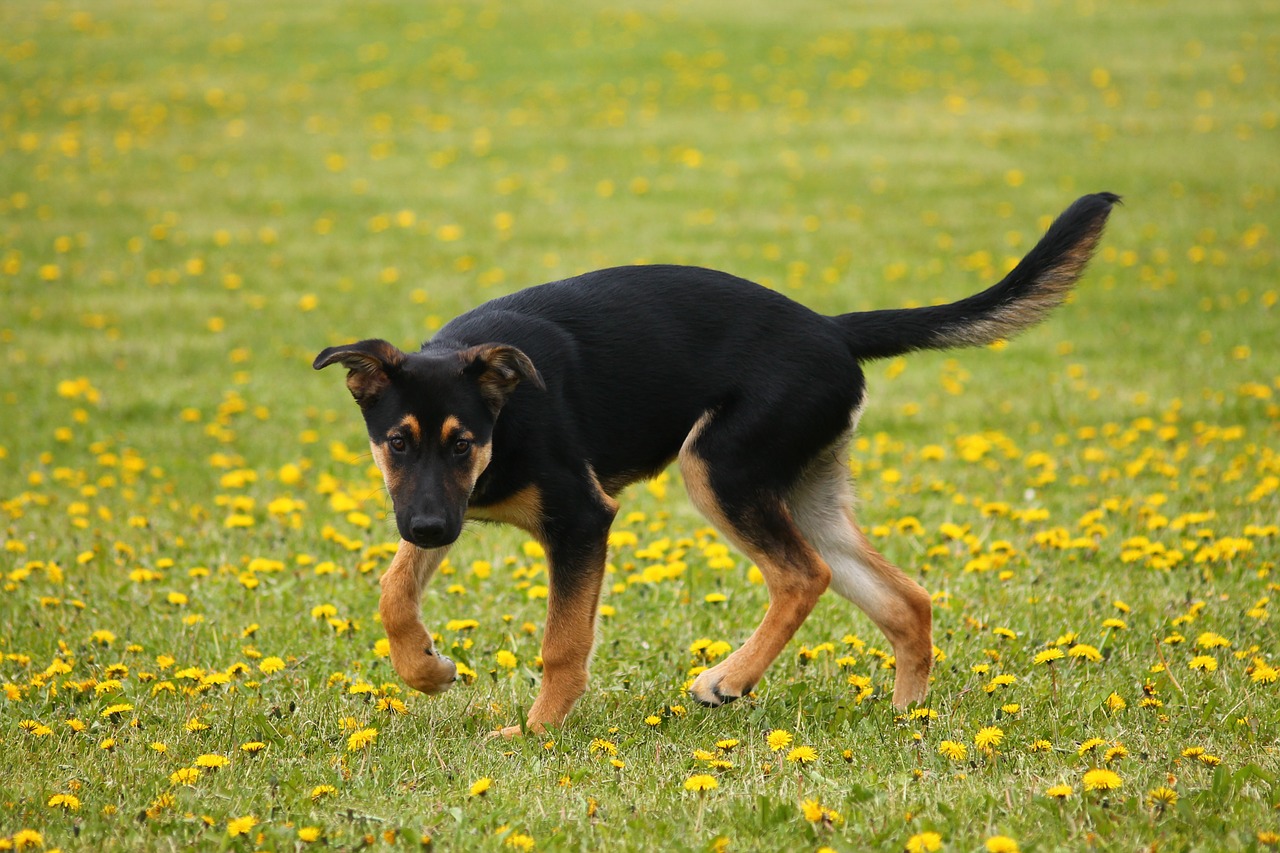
<point>462,447</point>
<point>397,444</point>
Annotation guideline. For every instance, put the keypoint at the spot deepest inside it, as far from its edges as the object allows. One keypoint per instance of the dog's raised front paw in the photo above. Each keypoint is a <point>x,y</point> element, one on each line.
<point>426,671</point>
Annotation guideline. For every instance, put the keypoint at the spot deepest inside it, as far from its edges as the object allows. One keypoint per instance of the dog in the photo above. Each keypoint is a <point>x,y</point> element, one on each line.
<point>536,409</point>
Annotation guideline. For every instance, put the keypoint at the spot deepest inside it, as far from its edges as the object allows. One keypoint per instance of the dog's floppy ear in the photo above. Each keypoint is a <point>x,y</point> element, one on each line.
<point>498,369</point>
<point>368,365</point>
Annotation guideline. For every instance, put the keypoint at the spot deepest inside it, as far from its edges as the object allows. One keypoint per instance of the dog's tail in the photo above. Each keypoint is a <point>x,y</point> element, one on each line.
<point>1037,285</point>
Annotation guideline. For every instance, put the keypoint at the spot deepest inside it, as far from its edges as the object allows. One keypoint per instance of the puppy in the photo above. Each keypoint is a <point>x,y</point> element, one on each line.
<point>538,408</point>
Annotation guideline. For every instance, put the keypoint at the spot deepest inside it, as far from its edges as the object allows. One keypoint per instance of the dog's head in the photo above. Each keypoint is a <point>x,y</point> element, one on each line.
<point>430,418</point>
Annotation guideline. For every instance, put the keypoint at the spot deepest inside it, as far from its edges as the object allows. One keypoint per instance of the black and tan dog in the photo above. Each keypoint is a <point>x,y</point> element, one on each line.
<point>537,408</point>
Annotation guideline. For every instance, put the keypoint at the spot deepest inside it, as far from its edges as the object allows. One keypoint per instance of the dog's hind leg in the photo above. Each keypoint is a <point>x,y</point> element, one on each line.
<point>822,505</point>
<point>413,655</point>
<point>760,525</point>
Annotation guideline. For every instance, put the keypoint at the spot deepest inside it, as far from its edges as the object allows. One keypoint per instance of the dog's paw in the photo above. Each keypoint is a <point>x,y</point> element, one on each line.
<point>428,672</point>
<point>506,733</point>
<point>714,689</point>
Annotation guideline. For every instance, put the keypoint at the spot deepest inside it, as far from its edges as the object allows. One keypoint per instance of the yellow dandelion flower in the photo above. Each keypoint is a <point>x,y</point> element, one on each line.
<point>988,737</point>
<point>1210,640</point>
<point>1100,779</point>
<point>953,750</point>
<point>1263,672</point>
<point>701,782</point>
<point>1002,680</point>
<point>924,842</point>
<point>1049,656</point>
<point>1089,745</point>
<point>184,776</point>
<point>1059,792</point>
<point>1203,663</point>
<point>480,787</point>
<point>779,739</point>
<point>1161,797</point>
<point>520,841</point>
<point>269,665</point>
<point>802,755</point>
<point>361,739</point>
<point>1085,651</point>
<point>308,834</point>
<point>815,812</point>
<point>1001,844</point>
<point>24,838</point>
<point>319,792</point>
<point>241,825</point>
<point>69,802</point>
<point>212,761</point>
<point>601,745</point>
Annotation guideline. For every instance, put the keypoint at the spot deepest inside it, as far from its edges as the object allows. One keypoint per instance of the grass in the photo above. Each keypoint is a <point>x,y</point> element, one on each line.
<point>199,197</point>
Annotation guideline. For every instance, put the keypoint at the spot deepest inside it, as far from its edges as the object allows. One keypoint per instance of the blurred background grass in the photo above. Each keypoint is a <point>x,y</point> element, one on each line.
<point>299,177</point>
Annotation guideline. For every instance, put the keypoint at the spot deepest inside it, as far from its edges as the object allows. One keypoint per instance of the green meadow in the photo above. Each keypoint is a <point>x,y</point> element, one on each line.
<point>198,197</point>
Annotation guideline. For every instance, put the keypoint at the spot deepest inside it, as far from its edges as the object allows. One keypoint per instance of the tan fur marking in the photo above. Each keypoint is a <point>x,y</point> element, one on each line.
<point>410,424</point>
<point>570,632</point>
<point>412,651</point>
<point>449,429</point>
<point>523,509</point>
<point>1046,293</point>
<point>567,643</point>
<point>605,497</point>
<point>481,455</point>
<point>390,474</point>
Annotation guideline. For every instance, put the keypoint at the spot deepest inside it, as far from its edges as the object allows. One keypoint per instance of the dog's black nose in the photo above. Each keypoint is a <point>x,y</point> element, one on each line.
<point>427,529</point>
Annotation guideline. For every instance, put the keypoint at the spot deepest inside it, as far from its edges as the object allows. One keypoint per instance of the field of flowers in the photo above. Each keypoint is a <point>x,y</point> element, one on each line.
<point>198,197</point>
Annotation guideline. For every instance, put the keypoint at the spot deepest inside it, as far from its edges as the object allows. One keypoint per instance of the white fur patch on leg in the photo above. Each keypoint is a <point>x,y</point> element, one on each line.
<point>822,506</point>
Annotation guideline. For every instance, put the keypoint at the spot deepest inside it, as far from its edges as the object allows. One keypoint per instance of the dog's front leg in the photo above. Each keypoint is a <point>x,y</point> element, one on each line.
<point>576,554</point>
<point>413,654</point>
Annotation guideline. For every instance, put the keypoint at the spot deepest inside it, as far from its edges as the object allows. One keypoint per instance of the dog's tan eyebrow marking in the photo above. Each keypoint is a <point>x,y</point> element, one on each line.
<point>410,424</point>
<point>450,428</point>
